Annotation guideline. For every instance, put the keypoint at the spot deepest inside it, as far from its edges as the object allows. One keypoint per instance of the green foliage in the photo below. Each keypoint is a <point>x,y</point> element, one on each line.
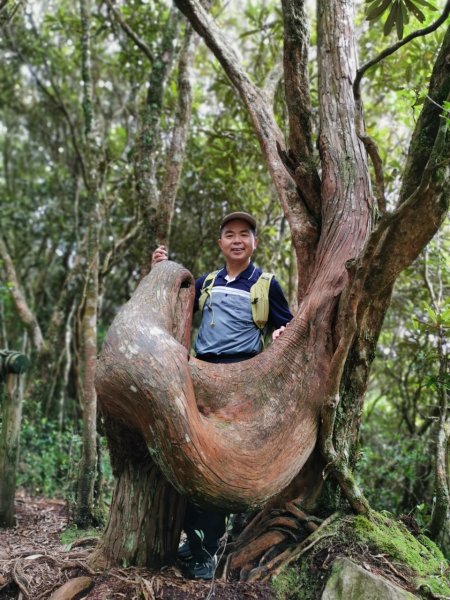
<point>399,12</point>
<point>48,456</point>
<point>394,469</point>
<point>409,375</point>
<point>44,223</point>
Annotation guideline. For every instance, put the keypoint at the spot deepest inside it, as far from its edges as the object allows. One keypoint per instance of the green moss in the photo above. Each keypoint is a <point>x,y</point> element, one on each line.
<point>72,533</point>
<point>425,541</point>
<point>296,583</point>
<point>422,557</point>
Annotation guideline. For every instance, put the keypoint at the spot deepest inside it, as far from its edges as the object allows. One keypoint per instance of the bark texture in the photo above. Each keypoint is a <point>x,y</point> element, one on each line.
<point>11,417</point>
<point>149,140</point>
<point>84,513</point>
<point>22,308</point>
<point>146,515</point>
<point>219,434</point>
<point>303,228</point>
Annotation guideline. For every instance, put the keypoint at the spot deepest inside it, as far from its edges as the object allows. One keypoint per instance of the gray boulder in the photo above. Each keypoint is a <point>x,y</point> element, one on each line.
<point>349,581</point>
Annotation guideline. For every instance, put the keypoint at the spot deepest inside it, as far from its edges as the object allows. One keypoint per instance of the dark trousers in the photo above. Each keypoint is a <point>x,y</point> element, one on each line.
<point>203,528</point>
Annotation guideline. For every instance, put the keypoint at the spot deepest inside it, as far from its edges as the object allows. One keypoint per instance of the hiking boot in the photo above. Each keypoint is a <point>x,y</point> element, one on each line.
<point>200,570</point>
<point>184,551</point>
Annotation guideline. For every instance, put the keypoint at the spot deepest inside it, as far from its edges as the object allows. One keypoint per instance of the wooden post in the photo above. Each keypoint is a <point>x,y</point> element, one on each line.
<point>12,364</point>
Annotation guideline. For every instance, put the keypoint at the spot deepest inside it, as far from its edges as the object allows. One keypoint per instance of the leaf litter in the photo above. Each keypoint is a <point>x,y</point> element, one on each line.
<point>35,565</point>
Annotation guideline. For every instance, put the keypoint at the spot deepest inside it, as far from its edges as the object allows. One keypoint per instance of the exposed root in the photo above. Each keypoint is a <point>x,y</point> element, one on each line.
<point>266,569</point>
<point>271,539</point>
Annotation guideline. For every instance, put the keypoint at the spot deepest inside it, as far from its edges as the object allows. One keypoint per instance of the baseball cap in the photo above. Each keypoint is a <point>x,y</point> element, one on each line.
<point>239,215</point>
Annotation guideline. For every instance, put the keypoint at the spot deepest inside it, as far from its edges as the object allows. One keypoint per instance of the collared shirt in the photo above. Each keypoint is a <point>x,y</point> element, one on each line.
<point>227,326</point>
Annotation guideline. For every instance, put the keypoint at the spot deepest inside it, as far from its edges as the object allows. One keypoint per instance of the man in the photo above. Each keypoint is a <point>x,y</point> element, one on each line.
<point>228,333</point>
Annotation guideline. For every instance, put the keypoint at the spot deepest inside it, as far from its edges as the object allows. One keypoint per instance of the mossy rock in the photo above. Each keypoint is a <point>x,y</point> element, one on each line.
<point>422,565</point>
<point>430,570</point>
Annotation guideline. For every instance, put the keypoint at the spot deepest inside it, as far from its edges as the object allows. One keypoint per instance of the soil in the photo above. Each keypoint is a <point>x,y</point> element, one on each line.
<point>34,565</point>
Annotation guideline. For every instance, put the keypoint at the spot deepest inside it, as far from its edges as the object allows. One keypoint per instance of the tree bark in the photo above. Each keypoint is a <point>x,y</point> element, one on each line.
<point>146,512</point>
<point>183,440</point>
<point>396,242</point>
<point>177,149</point>
<point>149,139</point>
<point>439,521</point>
<point>84,512</point>
<point>24,312</point>
<point>304,229</point>
<point>12,364</point>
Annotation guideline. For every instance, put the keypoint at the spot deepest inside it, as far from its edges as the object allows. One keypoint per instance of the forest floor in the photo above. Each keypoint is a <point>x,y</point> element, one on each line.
<point>34,565</point>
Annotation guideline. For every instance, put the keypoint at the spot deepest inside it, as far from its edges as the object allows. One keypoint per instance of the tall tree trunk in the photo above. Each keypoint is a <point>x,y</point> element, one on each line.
<point>146,511</point>
<point>159,506</point>
<point>439,523</point>
<point>84,512</point>
<point>9,449</point>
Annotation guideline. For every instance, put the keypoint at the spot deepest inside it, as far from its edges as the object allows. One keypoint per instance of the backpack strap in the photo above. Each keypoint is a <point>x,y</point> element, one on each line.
<point>259,299</point>
<point>207,286</point>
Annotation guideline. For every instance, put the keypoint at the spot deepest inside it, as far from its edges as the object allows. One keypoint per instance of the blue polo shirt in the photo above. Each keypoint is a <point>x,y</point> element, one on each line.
<point>227,327</point>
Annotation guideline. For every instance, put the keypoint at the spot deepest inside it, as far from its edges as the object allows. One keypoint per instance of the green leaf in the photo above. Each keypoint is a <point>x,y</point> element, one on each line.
<point>399,20</point>
<point>431,313</point>
<point>405,13</point>
<point>415,10</point>
<point>425,3</point>
<point>377,9</point>
<point>390,21</point>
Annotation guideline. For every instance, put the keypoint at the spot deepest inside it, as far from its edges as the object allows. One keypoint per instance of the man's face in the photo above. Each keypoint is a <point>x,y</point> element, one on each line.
<point>237,241</point>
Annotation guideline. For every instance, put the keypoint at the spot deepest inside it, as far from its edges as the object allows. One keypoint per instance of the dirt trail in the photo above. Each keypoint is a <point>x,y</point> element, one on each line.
<point>34,565</point>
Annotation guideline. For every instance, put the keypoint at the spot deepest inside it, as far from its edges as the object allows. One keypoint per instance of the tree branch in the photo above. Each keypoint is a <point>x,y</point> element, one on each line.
<point>439,514</point>
<point>55,99</point>
<point>302,225</point>
<point>129,31</point>
<point>7,17</point>
<point>388,51</point>
<point>372,151</point>
<point>425,191</point>
<point>298,101</point>
<point>25,314</point>
<point>149,140</point>
<point>272,81</point>
<point>111,256</point>
<point>263,121</point>
<point>177,149</point>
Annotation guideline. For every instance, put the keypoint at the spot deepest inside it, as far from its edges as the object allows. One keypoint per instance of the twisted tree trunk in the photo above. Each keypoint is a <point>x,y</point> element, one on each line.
<point>243,436</point>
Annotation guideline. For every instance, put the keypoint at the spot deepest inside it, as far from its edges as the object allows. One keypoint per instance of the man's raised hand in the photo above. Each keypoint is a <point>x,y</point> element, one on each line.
<point>159,255</point>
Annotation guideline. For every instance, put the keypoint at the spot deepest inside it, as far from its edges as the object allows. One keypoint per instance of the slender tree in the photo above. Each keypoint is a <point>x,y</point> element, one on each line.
<point>84,514</point>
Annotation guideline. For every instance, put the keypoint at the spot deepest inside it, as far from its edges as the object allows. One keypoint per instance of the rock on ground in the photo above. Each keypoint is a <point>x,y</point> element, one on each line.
<point>348,581</point>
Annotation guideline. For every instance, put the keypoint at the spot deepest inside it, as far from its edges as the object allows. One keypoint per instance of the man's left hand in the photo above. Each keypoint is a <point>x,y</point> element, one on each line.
<point>276,334</point>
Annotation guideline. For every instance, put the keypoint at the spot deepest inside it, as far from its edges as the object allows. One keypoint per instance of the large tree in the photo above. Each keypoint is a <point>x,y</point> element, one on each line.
<point>264,433</point>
